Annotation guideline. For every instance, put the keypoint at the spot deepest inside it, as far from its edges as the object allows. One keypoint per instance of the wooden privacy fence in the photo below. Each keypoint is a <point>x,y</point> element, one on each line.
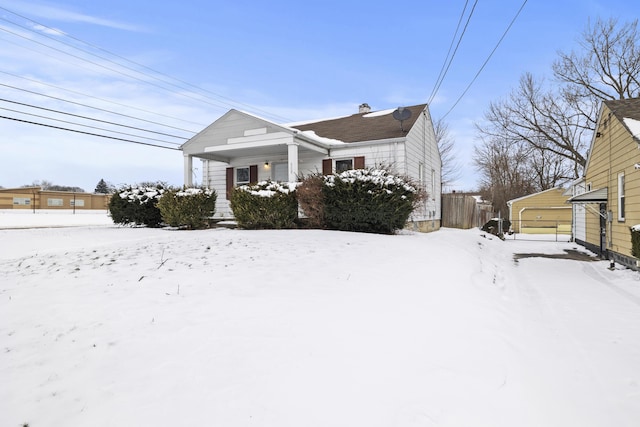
<point>464,211</point>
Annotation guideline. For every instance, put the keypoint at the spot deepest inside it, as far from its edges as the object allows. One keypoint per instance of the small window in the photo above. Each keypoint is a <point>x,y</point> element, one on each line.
<point>77,203</point>
<point>280,172</point>
<point>621,197</point>
<point>344,165</point>
<point>21,201</point>
<point>242,176</point>
<point>55,202</point>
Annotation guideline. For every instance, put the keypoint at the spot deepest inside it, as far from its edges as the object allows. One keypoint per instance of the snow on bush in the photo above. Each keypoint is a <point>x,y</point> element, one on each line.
<point>188,208</point>
<point>137,205</point>
<point>368,200</point>
<point>267,204</point>
<point>635,240</point>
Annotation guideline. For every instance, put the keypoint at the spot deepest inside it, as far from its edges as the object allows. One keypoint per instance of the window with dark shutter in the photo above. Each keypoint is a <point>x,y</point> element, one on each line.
<point>229,182</point>
<point>327,166</point>
<point>358,162</point>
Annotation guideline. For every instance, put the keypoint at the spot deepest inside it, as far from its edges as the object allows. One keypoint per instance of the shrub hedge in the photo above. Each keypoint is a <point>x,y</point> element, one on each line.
<point>188,208</point>
<point>635,241</point>
<point>137,205</point>
<point>368,200</point>
<point>266,204</point>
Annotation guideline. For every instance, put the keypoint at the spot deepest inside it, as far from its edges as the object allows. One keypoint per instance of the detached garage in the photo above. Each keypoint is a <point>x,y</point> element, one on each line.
<point>546,212</point>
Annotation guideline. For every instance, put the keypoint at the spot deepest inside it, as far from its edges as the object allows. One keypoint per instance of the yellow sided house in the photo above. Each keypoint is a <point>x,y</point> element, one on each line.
<point>610,190</point>
<point>546,212</point>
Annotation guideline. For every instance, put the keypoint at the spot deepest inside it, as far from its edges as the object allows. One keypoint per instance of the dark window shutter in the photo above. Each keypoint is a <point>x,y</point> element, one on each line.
<point>327,166</point>
<point>358,162</point>
<point>229,182</point>
<point>253,174</point>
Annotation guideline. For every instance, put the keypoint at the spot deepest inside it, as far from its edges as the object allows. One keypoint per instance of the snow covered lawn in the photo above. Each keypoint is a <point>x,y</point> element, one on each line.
<point>111,326</point>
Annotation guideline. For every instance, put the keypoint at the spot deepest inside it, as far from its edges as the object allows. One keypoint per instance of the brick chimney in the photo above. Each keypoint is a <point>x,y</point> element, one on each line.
<point>364,108</point>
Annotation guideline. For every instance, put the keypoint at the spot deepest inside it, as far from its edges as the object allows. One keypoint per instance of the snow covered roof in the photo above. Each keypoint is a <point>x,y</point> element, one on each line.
<point>370,126</point>
<point>628,112</point>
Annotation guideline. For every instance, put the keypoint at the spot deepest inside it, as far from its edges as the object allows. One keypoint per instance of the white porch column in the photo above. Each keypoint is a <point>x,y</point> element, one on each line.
<point>292,158</point>
<point>188,170</point>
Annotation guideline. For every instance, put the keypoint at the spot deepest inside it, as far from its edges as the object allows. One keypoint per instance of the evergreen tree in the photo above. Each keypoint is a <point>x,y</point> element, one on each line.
<point>102,187</point>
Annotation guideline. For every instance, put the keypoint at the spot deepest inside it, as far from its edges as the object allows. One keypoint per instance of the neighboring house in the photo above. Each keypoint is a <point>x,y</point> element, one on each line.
<point>611,187</point>
<point>541,213</point>
<point>37,198</point>
<point>240,148</point>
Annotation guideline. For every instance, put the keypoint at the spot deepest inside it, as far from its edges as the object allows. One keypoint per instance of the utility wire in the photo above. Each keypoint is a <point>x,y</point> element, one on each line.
<point>89,133</point>
<point>98,98</point>
<point>86,126</point>
<point>231,102</point>
<point>464,30</point>
<point>444,63</point>
<point>89,118</point>
<point>186,95</point>
<point>488,58</point>
<point>94,108</point>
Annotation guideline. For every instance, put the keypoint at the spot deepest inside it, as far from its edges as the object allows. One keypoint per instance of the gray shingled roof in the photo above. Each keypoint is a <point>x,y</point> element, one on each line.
<point>357,127</point>
<point>622,108</point>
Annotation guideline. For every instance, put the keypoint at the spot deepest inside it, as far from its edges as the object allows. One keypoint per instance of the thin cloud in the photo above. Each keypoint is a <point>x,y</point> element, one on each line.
<point>47,30</point>
<point>59,14</point>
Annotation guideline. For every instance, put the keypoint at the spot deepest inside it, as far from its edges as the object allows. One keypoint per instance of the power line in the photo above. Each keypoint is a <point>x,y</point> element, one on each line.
<point>444,63</point>
<point>99,99</point>
<point>186,95</point>
<point>446,70</point>
<point>89,118</point>
<point>488,58</point>
<point>94,108</point>
<point>232,102</point>
<point>89,133</point>
<point>86,126</point>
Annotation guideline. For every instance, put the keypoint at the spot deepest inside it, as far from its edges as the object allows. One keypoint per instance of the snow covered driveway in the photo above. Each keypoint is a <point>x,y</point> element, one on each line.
<point>111,326</point>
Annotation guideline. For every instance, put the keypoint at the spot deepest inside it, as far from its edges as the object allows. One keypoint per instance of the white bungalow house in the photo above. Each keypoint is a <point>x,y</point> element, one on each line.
<point>241,148</point>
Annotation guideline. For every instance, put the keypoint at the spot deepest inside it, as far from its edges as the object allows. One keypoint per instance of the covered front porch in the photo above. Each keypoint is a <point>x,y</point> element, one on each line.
<point>283,150</point>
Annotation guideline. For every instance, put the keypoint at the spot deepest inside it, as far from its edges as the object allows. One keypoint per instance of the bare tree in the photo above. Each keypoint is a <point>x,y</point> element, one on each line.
<point>505,171</point>
<point>545,121</point>
<point>556,123</point>
<point>608,67</point>
<point>451,168</point>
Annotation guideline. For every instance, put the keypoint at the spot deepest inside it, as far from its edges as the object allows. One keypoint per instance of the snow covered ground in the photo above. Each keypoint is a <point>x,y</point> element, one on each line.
<point>103,325</point>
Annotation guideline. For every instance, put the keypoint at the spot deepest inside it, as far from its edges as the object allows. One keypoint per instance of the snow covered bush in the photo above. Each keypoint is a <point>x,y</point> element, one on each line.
<point>189,207</point>
<point>368,200</point>
<point>635,240</point>
<point>266,204</point>
<point>137,205</point>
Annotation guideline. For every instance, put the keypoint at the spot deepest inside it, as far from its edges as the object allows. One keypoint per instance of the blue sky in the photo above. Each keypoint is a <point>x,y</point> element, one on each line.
<point>283,60</point>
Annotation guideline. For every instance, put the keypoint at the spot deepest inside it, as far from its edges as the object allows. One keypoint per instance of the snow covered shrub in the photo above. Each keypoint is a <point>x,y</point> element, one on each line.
<point>189,207</point>
<point>368,200</point>
<point>311,199</point>
<point>266,204</point>
<point>635,241</point>
<point>137,205</point>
